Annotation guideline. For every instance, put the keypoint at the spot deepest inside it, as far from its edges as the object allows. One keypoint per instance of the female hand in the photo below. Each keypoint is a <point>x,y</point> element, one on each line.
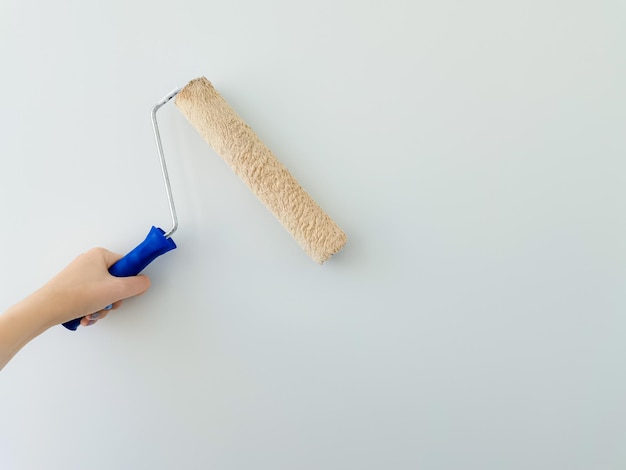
<point>85,288</point>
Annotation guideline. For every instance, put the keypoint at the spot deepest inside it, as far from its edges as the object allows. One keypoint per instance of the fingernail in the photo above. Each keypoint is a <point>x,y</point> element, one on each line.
<point>94,316</point>
<point>91,322</point>
<point>108,307</point>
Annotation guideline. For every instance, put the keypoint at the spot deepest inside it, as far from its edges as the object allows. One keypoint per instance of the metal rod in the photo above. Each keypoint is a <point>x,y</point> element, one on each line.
<point>166,178</point>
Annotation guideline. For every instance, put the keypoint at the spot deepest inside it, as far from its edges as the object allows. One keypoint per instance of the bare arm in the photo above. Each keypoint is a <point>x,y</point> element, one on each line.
<point>84,288</point>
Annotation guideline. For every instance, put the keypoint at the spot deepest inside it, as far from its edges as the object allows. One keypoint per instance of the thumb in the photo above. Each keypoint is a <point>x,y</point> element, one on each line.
<point>133,285</point>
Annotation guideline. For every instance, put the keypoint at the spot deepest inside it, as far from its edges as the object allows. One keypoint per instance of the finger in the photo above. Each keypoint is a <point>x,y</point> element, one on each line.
<point>110,257</point>
<point>133,285</point>
<point>92,318</point>
<point>97,315</point>
<point>86,321</point>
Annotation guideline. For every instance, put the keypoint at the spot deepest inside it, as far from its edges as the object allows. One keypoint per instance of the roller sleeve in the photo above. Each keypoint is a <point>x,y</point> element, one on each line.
<point>239,146</point>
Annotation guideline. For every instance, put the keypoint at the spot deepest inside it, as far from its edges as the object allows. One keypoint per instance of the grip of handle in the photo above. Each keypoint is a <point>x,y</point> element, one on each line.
<point>136,260</point>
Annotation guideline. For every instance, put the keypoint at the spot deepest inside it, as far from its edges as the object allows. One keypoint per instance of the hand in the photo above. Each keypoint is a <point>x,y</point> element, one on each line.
<point>85,288</point>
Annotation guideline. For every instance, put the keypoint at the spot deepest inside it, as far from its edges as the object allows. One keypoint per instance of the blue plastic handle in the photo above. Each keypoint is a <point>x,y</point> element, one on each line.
<point>134,262</point>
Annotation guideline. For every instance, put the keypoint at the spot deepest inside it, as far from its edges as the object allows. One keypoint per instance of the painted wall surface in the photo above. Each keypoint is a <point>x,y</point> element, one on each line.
<point>474,153</point>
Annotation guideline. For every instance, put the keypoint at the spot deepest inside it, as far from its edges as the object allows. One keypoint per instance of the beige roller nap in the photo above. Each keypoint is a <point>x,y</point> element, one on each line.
<point>255,164</point>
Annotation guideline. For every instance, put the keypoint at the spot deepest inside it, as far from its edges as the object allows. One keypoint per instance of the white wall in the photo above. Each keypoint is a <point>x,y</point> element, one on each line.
<point>474,152</point>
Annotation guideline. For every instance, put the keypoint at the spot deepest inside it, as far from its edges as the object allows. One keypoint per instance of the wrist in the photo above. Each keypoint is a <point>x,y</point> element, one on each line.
<point>19,325</point>
<point>34,312</point>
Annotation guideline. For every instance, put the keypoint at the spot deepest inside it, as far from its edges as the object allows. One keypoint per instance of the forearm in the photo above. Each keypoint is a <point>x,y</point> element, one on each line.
<point>20,324</point>
<point>84,289</point>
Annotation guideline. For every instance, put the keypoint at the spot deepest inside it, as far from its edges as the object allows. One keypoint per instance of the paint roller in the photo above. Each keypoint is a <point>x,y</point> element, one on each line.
<point>240,147</point>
